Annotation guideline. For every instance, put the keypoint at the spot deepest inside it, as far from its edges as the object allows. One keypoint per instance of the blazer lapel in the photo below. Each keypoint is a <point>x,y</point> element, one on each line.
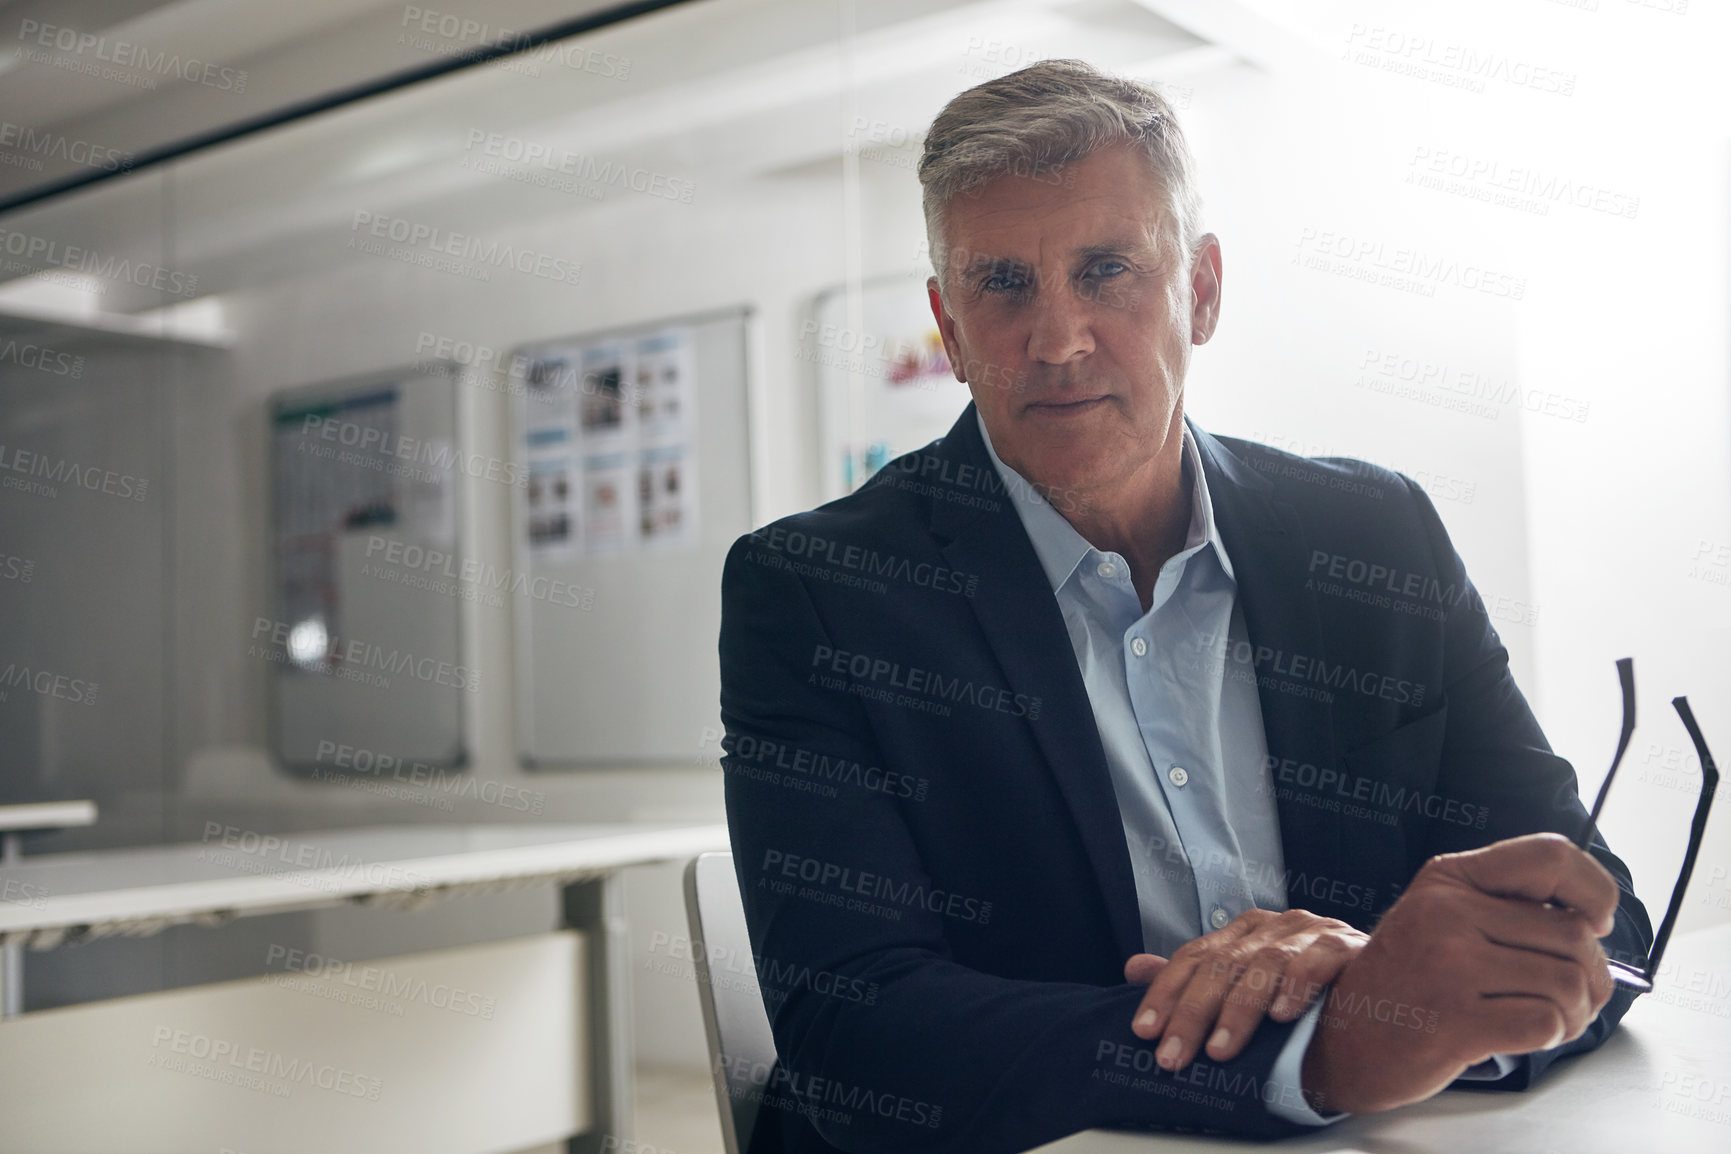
<point>1026,632</point>
<point>1022,623</point>
<point>1266,541</point>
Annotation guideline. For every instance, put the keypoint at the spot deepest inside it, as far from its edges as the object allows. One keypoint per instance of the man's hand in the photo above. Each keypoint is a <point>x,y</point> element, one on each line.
<point>1498,947</point>
<point>1219,986</point>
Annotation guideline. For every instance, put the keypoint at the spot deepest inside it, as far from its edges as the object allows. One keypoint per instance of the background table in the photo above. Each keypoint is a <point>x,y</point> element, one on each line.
<point>15,821</point>
<point>57,899</point>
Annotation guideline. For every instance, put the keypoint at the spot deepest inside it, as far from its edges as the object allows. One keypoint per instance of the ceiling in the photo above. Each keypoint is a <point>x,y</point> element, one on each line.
<point>115,73</point>
<point>708,93</point>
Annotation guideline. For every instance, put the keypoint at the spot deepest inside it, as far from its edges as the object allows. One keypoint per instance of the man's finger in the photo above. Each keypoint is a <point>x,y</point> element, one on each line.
<point>1174,976</point>
<point>1163,991</point>
<point>1280,984</point>
<point>1543,929</point>
<point>1567,985</point>
<point>1193,1019</point>
<point>1540,867</point>
<point>1311,972</point>
<point>1245,1003</point>
<point>1520,1025</point>
<point>1143,968</point>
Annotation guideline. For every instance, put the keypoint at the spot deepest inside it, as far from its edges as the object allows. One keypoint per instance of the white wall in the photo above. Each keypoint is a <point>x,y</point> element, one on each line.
<point>1611,533</point>
<point>1631,512</point>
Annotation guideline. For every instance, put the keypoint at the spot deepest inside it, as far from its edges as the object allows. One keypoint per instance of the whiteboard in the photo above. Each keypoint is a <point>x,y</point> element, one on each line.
<point>636,444</point>
<point>364,640</point>
<point>885,390</point>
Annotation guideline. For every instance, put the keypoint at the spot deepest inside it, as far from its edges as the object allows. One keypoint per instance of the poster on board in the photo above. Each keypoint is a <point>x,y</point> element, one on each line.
<point>609,437</point>
<point>550,458</point>
<point>883,378</point>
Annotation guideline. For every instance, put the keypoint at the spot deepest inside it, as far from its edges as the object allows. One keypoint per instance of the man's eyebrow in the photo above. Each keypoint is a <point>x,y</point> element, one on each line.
<point>1111,248</point>
<point>986,262</point>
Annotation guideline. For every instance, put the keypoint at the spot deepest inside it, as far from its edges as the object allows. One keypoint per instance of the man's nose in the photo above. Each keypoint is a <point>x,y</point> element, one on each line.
<point>1061,329</point>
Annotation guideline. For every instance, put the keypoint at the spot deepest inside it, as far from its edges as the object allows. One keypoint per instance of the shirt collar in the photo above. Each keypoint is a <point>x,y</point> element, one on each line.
<point>1060,548</point>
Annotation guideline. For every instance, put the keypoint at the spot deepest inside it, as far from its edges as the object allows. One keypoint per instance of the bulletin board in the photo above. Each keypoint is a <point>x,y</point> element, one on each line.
<point>364,639</point>
<point>635,442</point>
<point>884,381</point>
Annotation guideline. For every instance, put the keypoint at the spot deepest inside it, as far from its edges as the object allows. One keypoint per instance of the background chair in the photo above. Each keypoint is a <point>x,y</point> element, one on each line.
<point>741,1048</point>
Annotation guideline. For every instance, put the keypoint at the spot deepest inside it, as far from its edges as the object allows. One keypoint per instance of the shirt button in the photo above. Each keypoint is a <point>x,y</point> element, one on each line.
<point>1106,569</point>
<point>1139,647</point>
<point>1219,918</point>
<point>1178,775</point>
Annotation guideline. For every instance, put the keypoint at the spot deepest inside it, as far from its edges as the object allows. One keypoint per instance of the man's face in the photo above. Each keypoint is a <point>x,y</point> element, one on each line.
<point>1070,314</point>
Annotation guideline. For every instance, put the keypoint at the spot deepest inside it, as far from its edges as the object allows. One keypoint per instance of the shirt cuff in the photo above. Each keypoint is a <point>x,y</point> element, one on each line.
<point>1289,1071</point>
<point>1493,1069</point>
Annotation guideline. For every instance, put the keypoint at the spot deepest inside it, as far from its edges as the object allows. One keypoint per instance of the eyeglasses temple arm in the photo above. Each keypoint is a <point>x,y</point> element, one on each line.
<point>1626,676</point>
<point>1697,831</point>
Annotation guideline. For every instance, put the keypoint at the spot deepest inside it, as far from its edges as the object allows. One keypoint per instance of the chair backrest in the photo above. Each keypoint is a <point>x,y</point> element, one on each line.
<point>741,1047</point>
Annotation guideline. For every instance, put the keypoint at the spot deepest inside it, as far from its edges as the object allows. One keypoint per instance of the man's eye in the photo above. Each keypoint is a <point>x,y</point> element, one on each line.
<point>1004,283</point>
<point>1107,268</point>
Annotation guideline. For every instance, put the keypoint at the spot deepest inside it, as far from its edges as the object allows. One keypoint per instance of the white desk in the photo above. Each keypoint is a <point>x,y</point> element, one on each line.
<point>15,821</point>
<point>1660,1085</point>
<point>44,815</point>
<point>56,899</point>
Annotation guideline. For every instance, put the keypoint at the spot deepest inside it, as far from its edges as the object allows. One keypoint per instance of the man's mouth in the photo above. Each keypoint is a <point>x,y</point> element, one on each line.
<point>1067,407</point>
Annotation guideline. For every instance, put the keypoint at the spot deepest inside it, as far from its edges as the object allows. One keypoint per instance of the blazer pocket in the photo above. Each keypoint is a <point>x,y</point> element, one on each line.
<point>1409,754</point>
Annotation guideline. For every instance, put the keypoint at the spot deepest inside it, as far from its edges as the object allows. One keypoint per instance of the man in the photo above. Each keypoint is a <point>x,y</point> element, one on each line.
<point>1069,783</point>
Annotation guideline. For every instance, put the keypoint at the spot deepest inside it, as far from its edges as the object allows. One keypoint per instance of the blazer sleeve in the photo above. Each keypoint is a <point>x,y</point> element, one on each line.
<point>920,1053</point>
<point>1495,756</point>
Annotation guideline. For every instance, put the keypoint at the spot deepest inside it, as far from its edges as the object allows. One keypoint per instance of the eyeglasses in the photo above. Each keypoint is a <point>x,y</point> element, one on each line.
<point>1640,977</point>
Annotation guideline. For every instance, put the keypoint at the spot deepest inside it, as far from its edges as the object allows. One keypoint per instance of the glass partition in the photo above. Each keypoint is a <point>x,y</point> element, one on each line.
<point>1443,267</point>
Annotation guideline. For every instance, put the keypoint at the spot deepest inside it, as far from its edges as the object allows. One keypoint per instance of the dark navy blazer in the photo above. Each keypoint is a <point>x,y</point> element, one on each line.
<point>934,868</point>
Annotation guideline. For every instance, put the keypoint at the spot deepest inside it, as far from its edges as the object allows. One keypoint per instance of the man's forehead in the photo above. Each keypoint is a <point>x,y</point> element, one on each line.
<point>988,238</point>
<point>989,256</point>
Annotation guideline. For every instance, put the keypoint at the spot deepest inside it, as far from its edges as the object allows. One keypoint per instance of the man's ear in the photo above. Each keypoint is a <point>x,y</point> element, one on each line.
<point>946,328</point>
<point>1205,289</point>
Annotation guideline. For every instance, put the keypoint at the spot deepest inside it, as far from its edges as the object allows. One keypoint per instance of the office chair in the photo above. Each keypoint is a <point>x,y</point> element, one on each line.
<point>741,1048</point>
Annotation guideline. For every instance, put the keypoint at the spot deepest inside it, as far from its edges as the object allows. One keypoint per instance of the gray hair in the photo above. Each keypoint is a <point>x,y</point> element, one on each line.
<point>1037,120</point>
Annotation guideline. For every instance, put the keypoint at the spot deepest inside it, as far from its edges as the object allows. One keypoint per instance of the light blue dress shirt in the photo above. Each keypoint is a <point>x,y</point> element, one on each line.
<point>1183,737</point>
